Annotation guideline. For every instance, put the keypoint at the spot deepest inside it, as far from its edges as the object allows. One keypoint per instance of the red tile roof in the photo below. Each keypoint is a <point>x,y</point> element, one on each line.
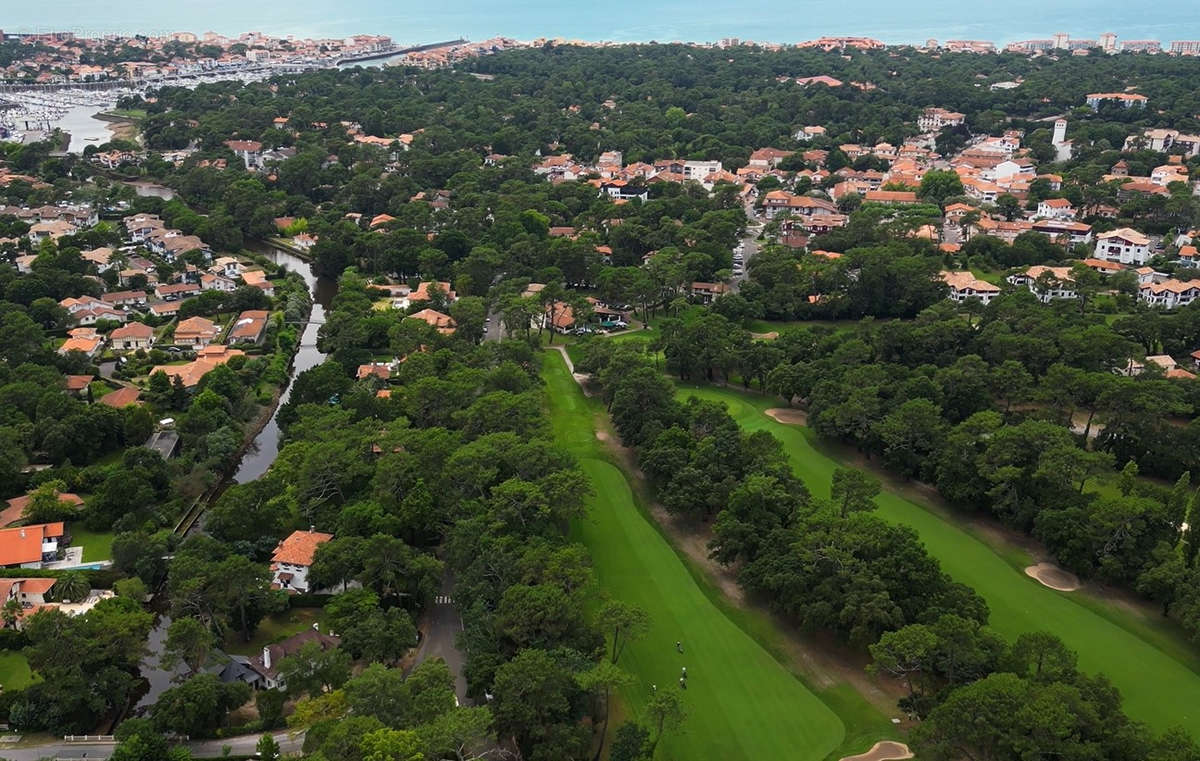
<point>300,547</point>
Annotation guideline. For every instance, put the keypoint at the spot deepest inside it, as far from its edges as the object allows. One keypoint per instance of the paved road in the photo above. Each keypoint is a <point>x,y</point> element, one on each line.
<point>493,329</point>
<point>749,247</point>
<point>441,639</point>
<point>240,746</point>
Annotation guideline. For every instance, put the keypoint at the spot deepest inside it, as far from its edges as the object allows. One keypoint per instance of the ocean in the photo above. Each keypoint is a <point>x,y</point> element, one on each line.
<point>409,21</point>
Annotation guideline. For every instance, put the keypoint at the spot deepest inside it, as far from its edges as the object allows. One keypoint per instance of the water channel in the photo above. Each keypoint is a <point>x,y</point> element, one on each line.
<point>265,448</point>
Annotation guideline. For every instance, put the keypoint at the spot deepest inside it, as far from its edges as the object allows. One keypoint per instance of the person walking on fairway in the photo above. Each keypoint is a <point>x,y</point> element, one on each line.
<point>679,646</point>
<point>682,683</point>
<point>683,673</point>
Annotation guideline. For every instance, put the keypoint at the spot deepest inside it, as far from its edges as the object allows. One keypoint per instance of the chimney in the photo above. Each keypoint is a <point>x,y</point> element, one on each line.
<point>267,657</point>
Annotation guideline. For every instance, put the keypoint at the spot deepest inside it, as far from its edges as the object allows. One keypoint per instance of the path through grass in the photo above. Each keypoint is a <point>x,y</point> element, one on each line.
<point>1158,674</point>
<point>742,704</point>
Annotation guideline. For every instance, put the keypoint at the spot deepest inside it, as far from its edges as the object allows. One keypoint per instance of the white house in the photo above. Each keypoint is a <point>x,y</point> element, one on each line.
<point>131,337</point>
<point>1072,233</point>
<point>964,286</point>
<point>1056,208</point>
<point>698,170</point>
<point>228,266</point>
<point>1170,293</point>
<point>249,151</point>
<point>1062,286</point>
<point>934,119</point>
<point>211,282</point>
<point>293,558</point>
<point>1123,245</point>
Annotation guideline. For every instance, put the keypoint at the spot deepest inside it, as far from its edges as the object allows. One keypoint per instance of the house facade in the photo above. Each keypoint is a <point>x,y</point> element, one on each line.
<point>1123,245</point>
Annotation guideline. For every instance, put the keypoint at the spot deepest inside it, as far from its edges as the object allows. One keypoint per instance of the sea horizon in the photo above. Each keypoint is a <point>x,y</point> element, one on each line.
<point>620,21</point>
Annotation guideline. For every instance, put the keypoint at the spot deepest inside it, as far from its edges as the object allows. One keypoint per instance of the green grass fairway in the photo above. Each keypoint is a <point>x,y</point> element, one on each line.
<point>742,704</point>
<point>1157,673</point>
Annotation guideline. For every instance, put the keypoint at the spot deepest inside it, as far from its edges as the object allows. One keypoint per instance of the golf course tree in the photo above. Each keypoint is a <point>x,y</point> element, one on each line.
<point>1056,717</point>
<point>622,623</point>
<point>665,712</point>
<point>931,658</point>
<point>854,491</point>
<point>602,680</point>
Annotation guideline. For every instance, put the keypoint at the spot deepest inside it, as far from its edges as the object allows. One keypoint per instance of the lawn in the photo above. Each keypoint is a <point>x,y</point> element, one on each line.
<point>741,702</point>
<point>272,630</point>
<point>14,671</point>
<point>96,546</point>
<point>1157,673</point>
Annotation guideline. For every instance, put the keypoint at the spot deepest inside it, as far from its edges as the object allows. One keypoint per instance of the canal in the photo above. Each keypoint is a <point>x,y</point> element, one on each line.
<point>265,448</point>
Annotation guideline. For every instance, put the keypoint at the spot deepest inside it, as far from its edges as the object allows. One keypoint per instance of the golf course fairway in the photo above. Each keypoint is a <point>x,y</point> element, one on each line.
<point>1160,688</point>
<point>741,703</point>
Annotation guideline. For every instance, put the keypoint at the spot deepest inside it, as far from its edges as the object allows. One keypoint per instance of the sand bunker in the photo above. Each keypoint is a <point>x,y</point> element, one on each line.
<point>1054,577</point>
<point>788,415</point>
<point>883,751</point>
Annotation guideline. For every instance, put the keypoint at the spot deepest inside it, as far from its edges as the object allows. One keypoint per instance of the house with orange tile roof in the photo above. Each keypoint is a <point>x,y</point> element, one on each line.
<point>30,546</point>
<point>1058,283</point>
<point>443,322</point>
<point>249,328</point>
<point>29,592</point>
<point>891,196</point>
<point>1123,245</point>
<point>934,119</point>
<point>131,337</point>
<point>380,370</point>
<point>423,292</point>
<point>79,383</point>
<point>121,398</point>
<point>196,331</point>
<point>258,279</point>
<point>1056,208</point>
<point>89,345</point>
<point>964,286</point>
<point>15,509</point>
<point>206,360</point>
<point>293,558</point>
<point>1169,293</point>
<point>1128,100</point>
<point>706,293</point>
